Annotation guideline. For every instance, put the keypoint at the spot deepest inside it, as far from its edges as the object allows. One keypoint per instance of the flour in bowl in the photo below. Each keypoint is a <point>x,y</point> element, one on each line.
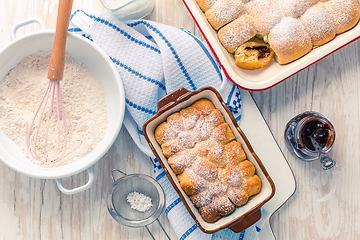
<point>83,97</point>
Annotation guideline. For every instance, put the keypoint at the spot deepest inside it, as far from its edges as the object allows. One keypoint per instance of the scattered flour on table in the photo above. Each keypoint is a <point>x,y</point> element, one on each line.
<point>83,97</point>
<point>139,202</point>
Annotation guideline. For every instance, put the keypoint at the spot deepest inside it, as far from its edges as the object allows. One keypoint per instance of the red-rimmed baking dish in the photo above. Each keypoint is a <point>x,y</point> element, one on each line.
<point>243,216</point>
<point>273,73</point>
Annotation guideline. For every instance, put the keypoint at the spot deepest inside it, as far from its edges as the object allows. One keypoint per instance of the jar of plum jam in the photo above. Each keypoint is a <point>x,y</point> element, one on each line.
<point>310,137</point>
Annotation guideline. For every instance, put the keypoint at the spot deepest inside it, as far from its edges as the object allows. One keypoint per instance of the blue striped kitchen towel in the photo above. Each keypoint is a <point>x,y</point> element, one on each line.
<point>154,59</point>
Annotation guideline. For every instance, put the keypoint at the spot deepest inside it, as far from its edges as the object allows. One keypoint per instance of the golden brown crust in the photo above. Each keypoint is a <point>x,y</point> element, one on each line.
<point>204,106</point>
<point>163,134</point>
<point>231,176</point>
<point>252,185</point>
<point>201,199</point>
<point>289,40</point>
<point>237,32</point>
<point>223,134</point>
<point>205,4</point>
<point>191,183</point>
<point>295,8</point>
<point>234,153</point>
<point>217,155</point>
<point>210,164</point>
<point>223,12</point>
<point>216,188</point>
<point>238,196</point>
<point>345,13</point>
<point>269,21</point>
<point>224,205</point>
<point>209,213</point>
<point>205,169</point>
<point>253,55</point>
<point>180,161</point>
<point>203,148</point>
<point>171,147</point>
<point>266,14</point>
<point>190,116</point>
<point>319,24</point>
<point>246,168</point>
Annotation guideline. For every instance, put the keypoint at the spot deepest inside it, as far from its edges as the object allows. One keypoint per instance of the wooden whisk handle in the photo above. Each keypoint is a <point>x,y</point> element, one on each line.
<point>57,59</point>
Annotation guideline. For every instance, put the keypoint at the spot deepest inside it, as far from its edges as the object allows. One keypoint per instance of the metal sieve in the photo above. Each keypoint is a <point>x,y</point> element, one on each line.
<point>121,210</point>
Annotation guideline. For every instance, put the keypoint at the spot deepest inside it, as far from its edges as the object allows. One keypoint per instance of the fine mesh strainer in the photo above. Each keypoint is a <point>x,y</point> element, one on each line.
<point>121,210</point>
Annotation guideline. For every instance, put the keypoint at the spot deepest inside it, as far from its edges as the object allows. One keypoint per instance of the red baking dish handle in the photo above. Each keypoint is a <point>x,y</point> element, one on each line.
<point>172,98</point>
<point>246,222</point>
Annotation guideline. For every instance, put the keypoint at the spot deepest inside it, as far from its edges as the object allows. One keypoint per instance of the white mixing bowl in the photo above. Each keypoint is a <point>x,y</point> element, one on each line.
<point>93,57</point>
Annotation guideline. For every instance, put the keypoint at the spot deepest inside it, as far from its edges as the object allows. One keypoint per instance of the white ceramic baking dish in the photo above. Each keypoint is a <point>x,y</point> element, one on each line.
<point>243,216</point>
<point>273,73</point>
<point>94,58</point>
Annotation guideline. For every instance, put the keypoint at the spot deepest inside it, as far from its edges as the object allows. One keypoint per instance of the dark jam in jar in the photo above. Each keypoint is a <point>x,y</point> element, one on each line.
<point>316,129</point>
<point>301,128</point>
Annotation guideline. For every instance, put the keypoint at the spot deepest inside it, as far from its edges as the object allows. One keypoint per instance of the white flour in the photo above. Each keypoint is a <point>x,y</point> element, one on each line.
<point>83,97</point>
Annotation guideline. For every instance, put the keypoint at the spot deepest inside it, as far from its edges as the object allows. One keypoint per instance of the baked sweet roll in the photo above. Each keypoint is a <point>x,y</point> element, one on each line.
<point>266,14</point>
<point>345,13</point>
<point>182,160</point>
<point>205,4</point>
<point>192,183</point>
<point>237,32</point>
<point>223,12</point>
<point>319,24</point>
<point>289,40</point>
<point>253,55</point>
<point>295,8</point>
<point>291,27</point>
<point>210,164</point>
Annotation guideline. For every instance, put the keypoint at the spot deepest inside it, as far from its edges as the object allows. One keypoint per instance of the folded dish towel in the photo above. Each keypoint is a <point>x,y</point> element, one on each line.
<point>154,59</point>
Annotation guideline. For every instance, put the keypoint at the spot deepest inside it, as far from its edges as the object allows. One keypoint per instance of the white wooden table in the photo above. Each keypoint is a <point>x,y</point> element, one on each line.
<point>326,203</point>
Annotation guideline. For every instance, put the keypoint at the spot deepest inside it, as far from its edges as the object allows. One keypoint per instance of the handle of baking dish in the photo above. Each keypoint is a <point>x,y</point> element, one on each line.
<point>172,98</point>
<point>180,93</point>
<point>78,189</point>
<point>246,222</point>
<point>24,23</point>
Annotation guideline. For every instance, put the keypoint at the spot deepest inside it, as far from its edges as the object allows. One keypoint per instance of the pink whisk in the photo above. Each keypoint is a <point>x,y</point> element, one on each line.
<point>52,99</point>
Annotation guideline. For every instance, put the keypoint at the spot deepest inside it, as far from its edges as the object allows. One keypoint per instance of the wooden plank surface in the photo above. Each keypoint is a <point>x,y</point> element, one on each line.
<point>325,205</point>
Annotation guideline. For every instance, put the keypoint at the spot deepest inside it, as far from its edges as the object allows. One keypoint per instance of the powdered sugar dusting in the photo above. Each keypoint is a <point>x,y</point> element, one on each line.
<point>205,169</point>
<point>231,176</point>
<point>224,11</point>
<point>205,4</point>
<point>289,40</point>
<point>202,168</point>
<point>344,12</point>
<point>186,139</point>
<point>223,205</point>
<point>266,14</point>
<point>190,116</point>
<point>202,199</point>
<point>217,189</point>
<point>319,24</point>
<point>237,32</point>
<point>139,202</point>
<point>294,8</point>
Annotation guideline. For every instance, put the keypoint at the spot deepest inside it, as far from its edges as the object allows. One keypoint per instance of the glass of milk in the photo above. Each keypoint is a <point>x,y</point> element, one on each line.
<point>128,9</point>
